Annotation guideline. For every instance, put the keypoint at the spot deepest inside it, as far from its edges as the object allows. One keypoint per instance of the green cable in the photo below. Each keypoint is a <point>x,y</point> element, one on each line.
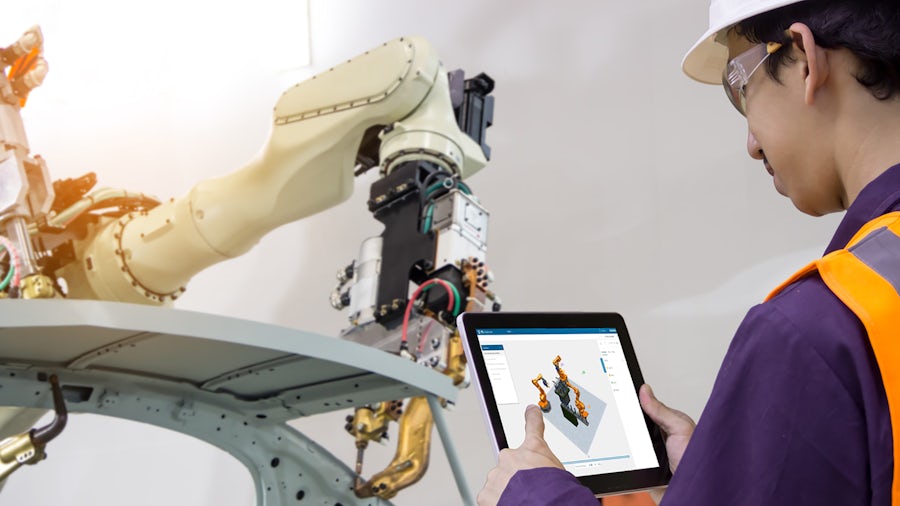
<point>430,211</point>
<point>12,270</point>
<point>455,295</point>
<point>456,298</point>
<point>428,216</point>
<point>431,189</point>
<point>436,186</point>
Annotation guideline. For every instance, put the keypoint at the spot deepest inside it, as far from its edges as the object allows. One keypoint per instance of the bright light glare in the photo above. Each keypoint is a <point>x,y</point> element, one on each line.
<point>100,47</point>
<point>137,91</point>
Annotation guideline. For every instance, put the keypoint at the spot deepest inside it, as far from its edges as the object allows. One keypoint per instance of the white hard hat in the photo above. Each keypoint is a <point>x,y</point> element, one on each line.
<point>706,60</point>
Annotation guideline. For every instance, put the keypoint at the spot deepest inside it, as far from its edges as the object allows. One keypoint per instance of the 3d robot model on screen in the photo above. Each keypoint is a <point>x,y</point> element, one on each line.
<point>562,387</point>
<point>394,108</point>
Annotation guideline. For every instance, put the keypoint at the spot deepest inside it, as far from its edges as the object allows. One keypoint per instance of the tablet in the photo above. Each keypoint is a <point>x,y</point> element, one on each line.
<point>581,370</point>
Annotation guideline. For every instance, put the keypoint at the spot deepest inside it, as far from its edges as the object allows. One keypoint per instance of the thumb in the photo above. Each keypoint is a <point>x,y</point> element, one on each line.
<point>534,421</point>
<point>669,420</point>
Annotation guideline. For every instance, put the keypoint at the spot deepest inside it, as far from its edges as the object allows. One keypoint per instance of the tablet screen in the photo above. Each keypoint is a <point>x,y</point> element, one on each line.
<point>580,369</point>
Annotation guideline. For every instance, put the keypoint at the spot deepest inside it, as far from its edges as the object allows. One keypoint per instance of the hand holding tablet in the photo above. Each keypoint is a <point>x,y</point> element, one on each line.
<point>580,369</point>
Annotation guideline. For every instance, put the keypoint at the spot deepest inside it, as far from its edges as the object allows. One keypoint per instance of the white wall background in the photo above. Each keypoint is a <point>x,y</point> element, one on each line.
<point>616,184</point>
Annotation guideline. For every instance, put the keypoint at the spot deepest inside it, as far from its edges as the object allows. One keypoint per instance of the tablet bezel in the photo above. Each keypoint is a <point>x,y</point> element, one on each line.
<point>600,484</point>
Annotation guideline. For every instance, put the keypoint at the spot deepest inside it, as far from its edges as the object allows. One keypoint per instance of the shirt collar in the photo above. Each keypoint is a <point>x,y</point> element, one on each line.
<point>880,196</point>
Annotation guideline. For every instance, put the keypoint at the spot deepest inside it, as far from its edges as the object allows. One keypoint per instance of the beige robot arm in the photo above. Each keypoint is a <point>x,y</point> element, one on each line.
<point>306,166</point>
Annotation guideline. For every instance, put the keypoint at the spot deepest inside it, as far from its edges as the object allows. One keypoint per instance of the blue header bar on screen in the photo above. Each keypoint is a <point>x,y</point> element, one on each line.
<point>601,330</point>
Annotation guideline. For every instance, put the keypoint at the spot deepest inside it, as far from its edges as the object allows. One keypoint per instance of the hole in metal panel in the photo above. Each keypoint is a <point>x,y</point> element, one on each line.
<point>76,394</point>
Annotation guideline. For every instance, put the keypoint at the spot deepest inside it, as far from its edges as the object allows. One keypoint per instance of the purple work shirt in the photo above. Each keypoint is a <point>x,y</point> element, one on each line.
<point>798,413</point>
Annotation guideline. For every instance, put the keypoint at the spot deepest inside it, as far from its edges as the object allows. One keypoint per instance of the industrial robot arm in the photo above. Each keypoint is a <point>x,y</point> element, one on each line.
<point>398,90</point>
<point>393,107</point>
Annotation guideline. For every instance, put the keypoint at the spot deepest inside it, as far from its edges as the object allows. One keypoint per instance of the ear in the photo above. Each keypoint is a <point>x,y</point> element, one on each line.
<point>813,56</point>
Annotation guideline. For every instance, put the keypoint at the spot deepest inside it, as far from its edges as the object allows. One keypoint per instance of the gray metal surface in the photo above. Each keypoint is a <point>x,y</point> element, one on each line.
<point>232,383</point>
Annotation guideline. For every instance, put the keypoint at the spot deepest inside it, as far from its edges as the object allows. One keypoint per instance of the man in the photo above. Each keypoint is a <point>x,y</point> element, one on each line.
<point>799,412</point>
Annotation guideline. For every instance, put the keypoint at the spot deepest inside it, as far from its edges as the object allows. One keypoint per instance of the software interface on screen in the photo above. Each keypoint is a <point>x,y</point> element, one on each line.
<point>592,417</point>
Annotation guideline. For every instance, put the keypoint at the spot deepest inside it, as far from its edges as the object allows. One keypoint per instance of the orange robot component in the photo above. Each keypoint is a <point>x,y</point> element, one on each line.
<point>563,378</point>
<point>27,66</point>
<point>543,404</point>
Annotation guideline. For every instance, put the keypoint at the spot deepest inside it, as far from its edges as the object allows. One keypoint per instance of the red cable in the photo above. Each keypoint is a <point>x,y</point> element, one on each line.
<point>415,295</point>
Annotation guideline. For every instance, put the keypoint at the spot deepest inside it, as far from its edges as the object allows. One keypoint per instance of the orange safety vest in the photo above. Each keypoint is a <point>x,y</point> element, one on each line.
<point>865,276</point>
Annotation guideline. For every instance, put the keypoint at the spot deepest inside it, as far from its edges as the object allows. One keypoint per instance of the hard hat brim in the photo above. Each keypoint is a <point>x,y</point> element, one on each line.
<point>706,60</point>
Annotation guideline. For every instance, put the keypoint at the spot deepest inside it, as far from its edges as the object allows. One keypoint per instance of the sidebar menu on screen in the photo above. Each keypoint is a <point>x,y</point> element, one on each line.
<point>498,372</point>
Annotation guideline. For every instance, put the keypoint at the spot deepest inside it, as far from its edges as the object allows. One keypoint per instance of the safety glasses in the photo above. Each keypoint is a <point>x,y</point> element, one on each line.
<point>739,70</point>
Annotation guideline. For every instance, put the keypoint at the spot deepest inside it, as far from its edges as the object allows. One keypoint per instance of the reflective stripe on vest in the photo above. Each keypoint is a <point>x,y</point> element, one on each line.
<point>865,276</point>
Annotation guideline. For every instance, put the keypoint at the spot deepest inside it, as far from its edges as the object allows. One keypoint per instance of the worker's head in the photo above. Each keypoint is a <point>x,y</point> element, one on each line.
<point>812,77</point>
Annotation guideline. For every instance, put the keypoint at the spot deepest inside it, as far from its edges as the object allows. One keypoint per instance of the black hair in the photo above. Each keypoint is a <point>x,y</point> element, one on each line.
<point>870,29</point>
